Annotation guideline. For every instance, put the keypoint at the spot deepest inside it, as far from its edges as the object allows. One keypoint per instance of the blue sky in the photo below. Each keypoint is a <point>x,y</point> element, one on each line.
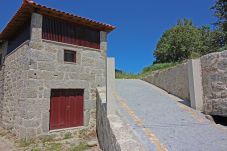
<point>140,24</point>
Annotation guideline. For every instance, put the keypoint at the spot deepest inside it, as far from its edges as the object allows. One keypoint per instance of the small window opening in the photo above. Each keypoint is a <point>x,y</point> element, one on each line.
<point>69,56</point>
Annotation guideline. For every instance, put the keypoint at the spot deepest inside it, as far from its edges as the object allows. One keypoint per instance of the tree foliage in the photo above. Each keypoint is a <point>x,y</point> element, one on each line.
<point>185,41</point>
<point>220,11</point>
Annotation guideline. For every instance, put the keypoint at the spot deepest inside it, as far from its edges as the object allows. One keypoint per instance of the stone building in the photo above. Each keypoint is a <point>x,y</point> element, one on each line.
<point>51,63</point>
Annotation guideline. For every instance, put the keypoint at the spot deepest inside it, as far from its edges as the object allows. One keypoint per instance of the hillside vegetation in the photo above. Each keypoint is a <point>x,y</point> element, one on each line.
<point>147,70</point>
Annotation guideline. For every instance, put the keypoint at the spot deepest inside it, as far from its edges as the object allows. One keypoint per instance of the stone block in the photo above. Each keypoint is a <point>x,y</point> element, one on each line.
<point>22,132</point>
<point>31,92</point>
<point>30,132</point>
<point>69,68</point>
<point>76,76</point>
<point>47,93</point>
<point>38,55</point>
<point>45,122</point>
<point>86,117</point>
<point>48,66</point>
<point>35,44</point>
<point>87,61</point>
<point>31,123</point>
<point>33,83</point>
<point>32,74</point>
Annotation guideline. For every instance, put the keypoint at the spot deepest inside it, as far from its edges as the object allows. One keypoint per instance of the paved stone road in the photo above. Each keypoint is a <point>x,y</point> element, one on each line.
<point>162,123</point>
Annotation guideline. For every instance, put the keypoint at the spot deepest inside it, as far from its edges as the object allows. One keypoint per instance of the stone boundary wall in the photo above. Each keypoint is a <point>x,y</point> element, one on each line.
<point>1,93</point>
<point>214,80</point>
<point>173,80</point>
<point>209,71</point>
<point>113,133</point>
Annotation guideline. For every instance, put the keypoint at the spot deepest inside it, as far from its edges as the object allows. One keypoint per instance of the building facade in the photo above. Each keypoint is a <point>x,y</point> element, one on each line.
<point>51,64</point>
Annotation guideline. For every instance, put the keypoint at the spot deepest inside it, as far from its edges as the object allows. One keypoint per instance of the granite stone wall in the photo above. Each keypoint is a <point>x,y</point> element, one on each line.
<point>214,80</point>
<point>47,70</point>
<point>15,71</point>
<point>1,93</point>
<point>173,80</point>
<point>35,68</point>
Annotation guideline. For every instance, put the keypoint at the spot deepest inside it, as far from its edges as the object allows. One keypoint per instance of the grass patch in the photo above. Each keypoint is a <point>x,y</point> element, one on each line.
<point>87,133</point>
<point>54,147</point>
<point>82,133</point>
<point>158,66</point>
<point>68,135</point>
<point>80,147</point>
<point>36,149</point>
<point>25,143</point>
<point>146,71</point>
<point>124,75</point>
<point>47,138</point>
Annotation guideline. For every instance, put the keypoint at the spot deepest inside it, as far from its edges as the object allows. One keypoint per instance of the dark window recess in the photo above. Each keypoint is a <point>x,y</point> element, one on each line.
<point>69,56</point>
<point>18,38</point>
<point>71,33</point>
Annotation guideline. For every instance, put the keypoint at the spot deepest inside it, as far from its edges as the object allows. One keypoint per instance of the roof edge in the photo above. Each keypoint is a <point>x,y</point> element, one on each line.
<point>29,6</point>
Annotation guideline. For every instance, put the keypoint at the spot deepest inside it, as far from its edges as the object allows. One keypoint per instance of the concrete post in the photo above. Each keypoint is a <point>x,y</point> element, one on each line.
<point>36,27</point>
<point>111,106</point>
<point>195,84</point>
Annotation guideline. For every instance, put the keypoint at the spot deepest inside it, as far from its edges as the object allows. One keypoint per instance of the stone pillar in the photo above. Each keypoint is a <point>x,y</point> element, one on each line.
<point>103,43</point>
<point>36,27</point>
<point>111,106</point>
<point>4,51</point>
<point>36,31</point>
<point>195,84</point>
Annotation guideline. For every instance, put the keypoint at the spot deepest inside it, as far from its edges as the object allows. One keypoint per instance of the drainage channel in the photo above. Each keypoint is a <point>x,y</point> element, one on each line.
<point>220,120</point>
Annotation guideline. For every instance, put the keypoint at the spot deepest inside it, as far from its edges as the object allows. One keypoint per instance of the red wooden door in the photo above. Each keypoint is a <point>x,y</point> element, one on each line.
<point>66,108</point>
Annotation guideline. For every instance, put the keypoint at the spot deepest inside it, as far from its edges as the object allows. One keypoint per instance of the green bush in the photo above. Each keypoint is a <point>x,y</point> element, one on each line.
<point>186,41</point>
<point>158,66</point>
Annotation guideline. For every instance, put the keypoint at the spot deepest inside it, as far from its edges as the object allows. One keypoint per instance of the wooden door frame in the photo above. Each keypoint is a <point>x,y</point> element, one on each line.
<point>83,122</point>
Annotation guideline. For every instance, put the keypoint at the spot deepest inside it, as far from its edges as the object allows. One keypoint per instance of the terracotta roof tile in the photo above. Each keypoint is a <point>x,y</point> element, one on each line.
<point>29,6</point>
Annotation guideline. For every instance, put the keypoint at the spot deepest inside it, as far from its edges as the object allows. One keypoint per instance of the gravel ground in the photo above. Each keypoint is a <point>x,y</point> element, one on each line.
<point>161,122</point>
<point>84,140</point>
